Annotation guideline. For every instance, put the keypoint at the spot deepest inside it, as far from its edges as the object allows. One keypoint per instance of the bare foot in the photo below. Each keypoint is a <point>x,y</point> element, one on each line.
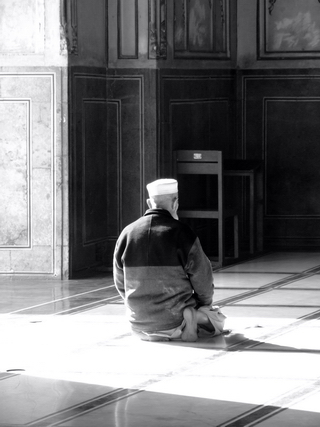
<point>190,331</point>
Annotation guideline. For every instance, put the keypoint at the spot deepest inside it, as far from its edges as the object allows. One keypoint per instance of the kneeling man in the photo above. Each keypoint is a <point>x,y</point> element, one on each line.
<point>163,274</point>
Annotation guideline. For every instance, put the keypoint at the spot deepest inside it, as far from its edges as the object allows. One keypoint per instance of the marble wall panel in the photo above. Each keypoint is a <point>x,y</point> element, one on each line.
<point>14,173</point>
<point>36,86</point>
<point>38,260</point>
<point>27,166</point>
<point>5,261</point>
<point>60,178</point>
<point>42,115</point>
<point>24,22</point>
<point>42,206</point>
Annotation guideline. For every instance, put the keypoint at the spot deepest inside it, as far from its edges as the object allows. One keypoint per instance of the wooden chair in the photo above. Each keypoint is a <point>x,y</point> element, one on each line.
<point>207,162</point>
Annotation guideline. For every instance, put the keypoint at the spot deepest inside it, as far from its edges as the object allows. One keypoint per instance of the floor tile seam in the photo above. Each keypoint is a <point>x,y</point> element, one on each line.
<point>239,288</point>
<point>244,419</point>
<point>293,306</point>
<point>288,328</point>
<point>230,350</point>
<point>285,349</point>
<point>98,406</point>
<point>84,407</point>
<point>258,273</point>
<point>272,285</point>
<point>249,343</point>
<point>313,270</point>
<point>86,307</point>
<point>272,407</point>
<point>7,375</point>
<point>58,300</point>
<point>136,389</point>
<point>282,379</point>
<point>240,345</point>
<point>243,296</point>
<point>261,290</point>
<point>63,311</point>
<point>302,289</point>
<point>187,367</point>
<point>289,279</point>
<point>245,261</point>
<point>270,404</point>
<point>298,393</point>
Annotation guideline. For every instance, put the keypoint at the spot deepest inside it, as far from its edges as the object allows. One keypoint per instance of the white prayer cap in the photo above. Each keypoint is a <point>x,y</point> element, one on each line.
<point>162,186</point>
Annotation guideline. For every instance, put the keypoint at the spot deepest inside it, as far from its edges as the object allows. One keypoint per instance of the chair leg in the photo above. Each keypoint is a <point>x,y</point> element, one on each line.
<point>221,241</point>
<point>236,236</point>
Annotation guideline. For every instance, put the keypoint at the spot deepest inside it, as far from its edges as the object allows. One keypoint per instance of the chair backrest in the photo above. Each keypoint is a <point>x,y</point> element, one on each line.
<point>202,196</point>
<point>206,162</point>
<point>202,162</point>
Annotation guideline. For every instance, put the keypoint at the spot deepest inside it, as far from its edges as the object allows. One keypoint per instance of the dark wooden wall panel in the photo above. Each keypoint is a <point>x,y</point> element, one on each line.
<point>128,91</point>
<point>204,121</point>
<point>113,156</point>
<point>114,168</point>
<point>106,162</point>
<point>201,29</point>
<point>94,171</point>
<point>291,147</point>
<point>281,127</point>
<point>128,29</point>
<point>88,92</point>
<point>197,112</point>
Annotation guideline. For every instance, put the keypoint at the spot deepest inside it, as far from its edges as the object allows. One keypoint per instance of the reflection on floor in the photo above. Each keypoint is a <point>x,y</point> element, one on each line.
<point>67,357</point>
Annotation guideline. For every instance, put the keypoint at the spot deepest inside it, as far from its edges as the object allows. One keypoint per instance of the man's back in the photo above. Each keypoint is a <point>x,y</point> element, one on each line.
<point>160,269</point>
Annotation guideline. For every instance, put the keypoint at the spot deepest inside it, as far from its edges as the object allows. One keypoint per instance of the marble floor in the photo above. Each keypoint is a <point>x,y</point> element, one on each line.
<point>67,357</point>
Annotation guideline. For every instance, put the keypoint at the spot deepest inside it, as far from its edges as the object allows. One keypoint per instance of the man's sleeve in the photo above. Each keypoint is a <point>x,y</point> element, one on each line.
<point>199,271</point>
<point>118,275</point>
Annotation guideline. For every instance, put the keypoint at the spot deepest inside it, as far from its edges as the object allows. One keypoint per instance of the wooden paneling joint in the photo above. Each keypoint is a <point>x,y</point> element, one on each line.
<point>68,27</point>
<point>157,29</point>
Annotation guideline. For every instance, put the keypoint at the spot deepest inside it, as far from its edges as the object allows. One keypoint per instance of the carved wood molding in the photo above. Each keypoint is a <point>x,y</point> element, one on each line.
<point>68,27</point>
<point>201,29</point>
<point>128,29</point>
<point>157,29</point>
<point>272,4</point>
<point>288,29</point>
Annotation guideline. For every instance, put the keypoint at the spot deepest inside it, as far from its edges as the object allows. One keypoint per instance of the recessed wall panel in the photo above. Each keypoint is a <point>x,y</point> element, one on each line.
<point>127,91</point>
<point>128,28</point>
<point>95,195</point>
<point>27,173</point>
<point>114,167</point>
<point>281,128</point>
<point>201,29</point>
<point>289,29</point>
<point>107,163</point>
<point>200,124</point>
<point>291,147</point>
<point>15,173</point>
<point>197,113</point>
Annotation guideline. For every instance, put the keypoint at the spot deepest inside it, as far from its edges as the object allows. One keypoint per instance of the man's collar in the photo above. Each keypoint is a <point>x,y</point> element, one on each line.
<point>157,211</point>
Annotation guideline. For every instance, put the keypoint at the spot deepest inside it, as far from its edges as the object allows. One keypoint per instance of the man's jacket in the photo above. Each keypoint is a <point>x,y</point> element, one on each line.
<point>159,269</point>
